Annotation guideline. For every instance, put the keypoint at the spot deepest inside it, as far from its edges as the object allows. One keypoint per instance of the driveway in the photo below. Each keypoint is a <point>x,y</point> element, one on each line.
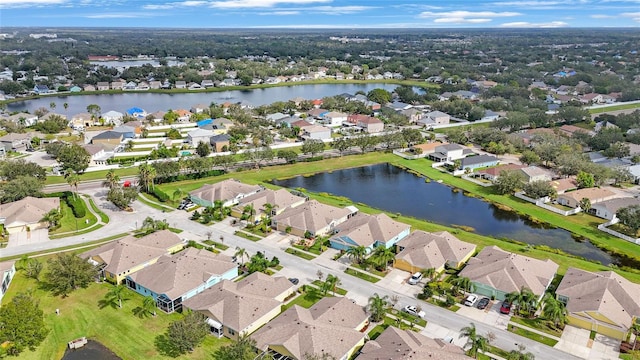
<point>28,237</point>
<point>490,316</point>
<point>575,341</point>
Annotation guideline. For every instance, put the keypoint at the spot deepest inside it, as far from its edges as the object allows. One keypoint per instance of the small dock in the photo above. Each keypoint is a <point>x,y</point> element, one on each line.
<point>78,343</point>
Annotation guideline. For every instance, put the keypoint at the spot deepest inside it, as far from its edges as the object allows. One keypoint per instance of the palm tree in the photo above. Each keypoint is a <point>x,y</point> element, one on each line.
<point>52,105</point>
<point>268,209</point>
<point>554,310</point>
<point>111,179</point>
<point>475,342</point>
<point>635,330</point>
<point>333,282</point>
<point>462,283</point>
<point>178,194</point>
<point>524,299</point>
<point>240,254</point>
<point>149,304</point>
<point>382,256</point>
<point>428,273</point>
<point>52,217</point>
<point>377,307</point>
<point>248,212</point>
<point>146,175</point>
<point>357,253</point>
<point>520,354</point>
<point>73,179</point>
<point>116,293</point>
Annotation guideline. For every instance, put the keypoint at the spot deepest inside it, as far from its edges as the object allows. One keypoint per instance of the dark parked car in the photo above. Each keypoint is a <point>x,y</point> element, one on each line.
<point>482,304</point>
<point>505,308</point>
<point>294,281</point>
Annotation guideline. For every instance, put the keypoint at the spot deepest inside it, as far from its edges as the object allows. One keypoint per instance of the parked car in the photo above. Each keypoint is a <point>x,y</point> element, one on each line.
<point>294,281</point>
<point>482,304</point>
<point>505,308</point>
<point>471,300</point>
<point>448,339</point>
<point>415,278</point>
<point>190,206</point>
<point>412,310</point>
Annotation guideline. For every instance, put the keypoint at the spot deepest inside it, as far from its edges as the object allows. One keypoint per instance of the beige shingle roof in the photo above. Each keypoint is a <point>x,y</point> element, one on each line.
<point>239,304</point>
<point>396,344</point>
<point>433,250</point>
<point>366,229</point>
<point>281,198</point>
<point>311,216</point>
<point>593,194</point>
<point>175,275</point>
<point>128,252</point>
<point>606,293</point>
<point>509,272</point>
<point>302,331</point>
<point>27,211</point>
<point>224,190</point>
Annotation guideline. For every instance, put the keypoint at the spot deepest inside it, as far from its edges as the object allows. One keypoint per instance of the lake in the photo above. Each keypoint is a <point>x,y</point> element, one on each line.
<point>93,350</point>
<point>395,190</point>
<point>152,102</point>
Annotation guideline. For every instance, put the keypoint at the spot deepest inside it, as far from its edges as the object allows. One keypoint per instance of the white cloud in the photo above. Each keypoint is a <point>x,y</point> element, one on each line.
<point>174,5</point>
<point>117,16</point>
<point>336,10</point>
<point>243,4</point>
<point>461,21</point>
<point>467,14</point>
<point>524,24</point>
<point>5,4</point>
<point>528,3</point>
<point>602,16</point>
<point>280,13</point>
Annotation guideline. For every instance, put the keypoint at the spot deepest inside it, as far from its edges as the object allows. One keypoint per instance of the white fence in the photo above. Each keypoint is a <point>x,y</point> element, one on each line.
<point>604,228</point>
<point>542,202</point>
<point>403,154</point>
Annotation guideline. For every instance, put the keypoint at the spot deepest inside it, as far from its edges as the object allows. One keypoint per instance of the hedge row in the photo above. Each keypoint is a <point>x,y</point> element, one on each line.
<point>77,205</point>
<point>160,195</point>
<point>192,176</point>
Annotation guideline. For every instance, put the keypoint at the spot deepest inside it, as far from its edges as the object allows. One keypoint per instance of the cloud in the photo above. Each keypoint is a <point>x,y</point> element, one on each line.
<point>602,16</point>
<point>524,24</point>
<point>337,10</point>
<point>634,16</point>
<point>280,13</point>
<point>461,21</point>
<point>118,15</point>
<point>6,4</point>
<point>244,4</point>
<point>174,5</point>
<point>467,14</point>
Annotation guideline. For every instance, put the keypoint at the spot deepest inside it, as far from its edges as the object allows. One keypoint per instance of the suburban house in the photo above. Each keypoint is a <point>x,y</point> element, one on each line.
<point>604,301</point>
<point>333,326</point>
<point>118,259</point>
<point>434,118</point>
<point>276,117</point>
<point>396,344</point>
<point>82,120</point>
<point>334,118</point>
<point>423,250</point>
<point>607,209</point>
<point>137,112</point>
<point>312,217</point>
<point>175,278</point>
<point>570,130</point>
<point>316,132</point>
<point>128,131</point>
<point>449,152</point>
<point>595,195</point>
<point>234,309</point>
<point>279,200</point>
<point>369,231</point>
<point>229,192</point>
<point>109,137</point>
<point>427,149</point>
<point>97,153</point>
<point>492,174</point>
<point>117,85</point>
<point>317,113</point>
<point>199,108</point>
<point>7,272</point>
<point>26,119</point>
<point>565,184</point>
<point>194,137</point>
<point>220,143</point>
<point>41,89</point>
<point>180,84</point>
<point>471,163</point>
<point>368,124</point>
<point>102,86</point>
<point>25,215</point>
<point>16,141</point>
<point>496,273</point>
<point>535,173</point>
<point>113,117</point>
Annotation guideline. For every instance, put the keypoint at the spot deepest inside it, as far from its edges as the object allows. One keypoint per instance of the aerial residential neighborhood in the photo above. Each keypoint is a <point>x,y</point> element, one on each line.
<point>319,194</point>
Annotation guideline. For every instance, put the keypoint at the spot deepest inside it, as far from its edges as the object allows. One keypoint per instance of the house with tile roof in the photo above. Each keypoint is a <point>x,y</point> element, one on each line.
<point>279,201</point>
<point>332,326</point>
<point>16,141</point>
<point>396,344</point>
<point>195,137</point>
<point>178,277</point>
<point>7,272</point>
<point>535,173</point>
<point>603,301</point>
<point>312,218</point>
<point>449,152</point>
<point>493,173</point>
<point>26,214</point>
<point>317,132</point>
<point>234,309</point>
<point>118,259</point>
<point>334,118</point>
<point>595,195</point>
<point>496,273</point>
<point>229,191</point>
<point>607,209</point>
<point>369,231</point>
<point>423,250</point>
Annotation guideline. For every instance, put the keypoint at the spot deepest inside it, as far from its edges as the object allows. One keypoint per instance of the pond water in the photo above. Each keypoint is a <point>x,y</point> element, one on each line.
<point>93,350</point>
<point>152,102</point>
<point>392,189</point>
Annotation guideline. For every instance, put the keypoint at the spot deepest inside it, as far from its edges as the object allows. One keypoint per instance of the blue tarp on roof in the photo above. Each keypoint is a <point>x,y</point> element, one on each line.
<point>134,110</point>
<point>204,122</point>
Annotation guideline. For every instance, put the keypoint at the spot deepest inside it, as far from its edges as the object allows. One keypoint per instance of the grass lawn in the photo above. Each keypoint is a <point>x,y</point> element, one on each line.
<point>580,224</point>
<point>70,222</point>
<point>314,249</point>
<point>93,175</point>
<point>85,246</point>
<point>103,217</point>
<point>301,254</point>
<point>306,299</point>
<point>376,331</point>
<point>339,290</point>
<point>361,275</point>
<point>216,244</point>
<point>614,108</point>
<point>371,270</point>
<point>538,324</point>
<point>126,335</point>
<point>143,199</point>
<point>413,319</point>
<point>247,236</point>
<point>533,336</point>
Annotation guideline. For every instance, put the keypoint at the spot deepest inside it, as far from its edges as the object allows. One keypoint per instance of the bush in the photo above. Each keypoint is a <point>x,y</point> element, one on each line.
<point>77,205</point>
<point>160,195</point>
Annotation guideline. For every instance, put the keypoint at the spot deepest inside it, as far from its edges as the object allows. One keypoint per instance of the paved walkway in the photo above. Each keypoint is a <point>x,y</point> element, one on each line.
<point>577,342</point>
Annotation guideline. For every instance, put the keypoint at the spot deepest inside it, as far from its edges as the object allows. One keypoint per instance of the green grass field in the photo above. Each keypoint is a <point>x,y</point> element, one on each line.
<point>71,223</point>
<point>614,108</point>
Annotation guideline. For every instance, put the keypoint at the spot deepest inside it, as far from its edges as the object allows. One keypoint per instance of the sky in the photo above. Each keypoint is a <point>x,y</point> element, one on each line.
<point>320,14</point>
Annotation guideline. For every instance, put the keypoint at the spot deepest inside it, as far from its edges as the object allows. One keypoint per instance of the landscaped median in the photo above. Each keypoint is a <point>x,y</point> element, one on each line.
<point>362,275</point>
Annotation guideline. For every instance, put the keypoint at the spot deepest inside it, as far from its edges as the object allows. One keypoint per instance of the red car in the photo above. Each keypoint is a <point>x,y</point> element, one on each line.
<point>505,308</point>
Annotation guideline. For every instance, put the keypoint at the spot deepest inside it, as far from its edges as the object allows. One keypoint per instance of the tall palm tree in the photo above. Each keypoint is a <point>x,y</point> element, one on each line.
<point>462,283</point>
<point>146,175</point>
<point>268,209</point>
<point>554,310</point>
<point>428,273</point>
<point>475,342</point>
<point>635,330</point>
<point>73,179</point>
<point>149,305</point>
<point>111,179</point>
<point>240,254</point>
<point>382,256</point>
<point>357,253</point>
<point>332,282</point>
<point>52,217</point>
<point>52,105</point>
<point>524,299</point>
<point>116,293</point>
<point>377,307</point>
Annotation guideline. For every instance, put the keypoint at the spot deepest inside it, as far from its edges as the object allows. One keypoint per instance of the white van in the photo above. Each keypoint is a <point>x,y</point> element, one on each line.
<point>415,278</point>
